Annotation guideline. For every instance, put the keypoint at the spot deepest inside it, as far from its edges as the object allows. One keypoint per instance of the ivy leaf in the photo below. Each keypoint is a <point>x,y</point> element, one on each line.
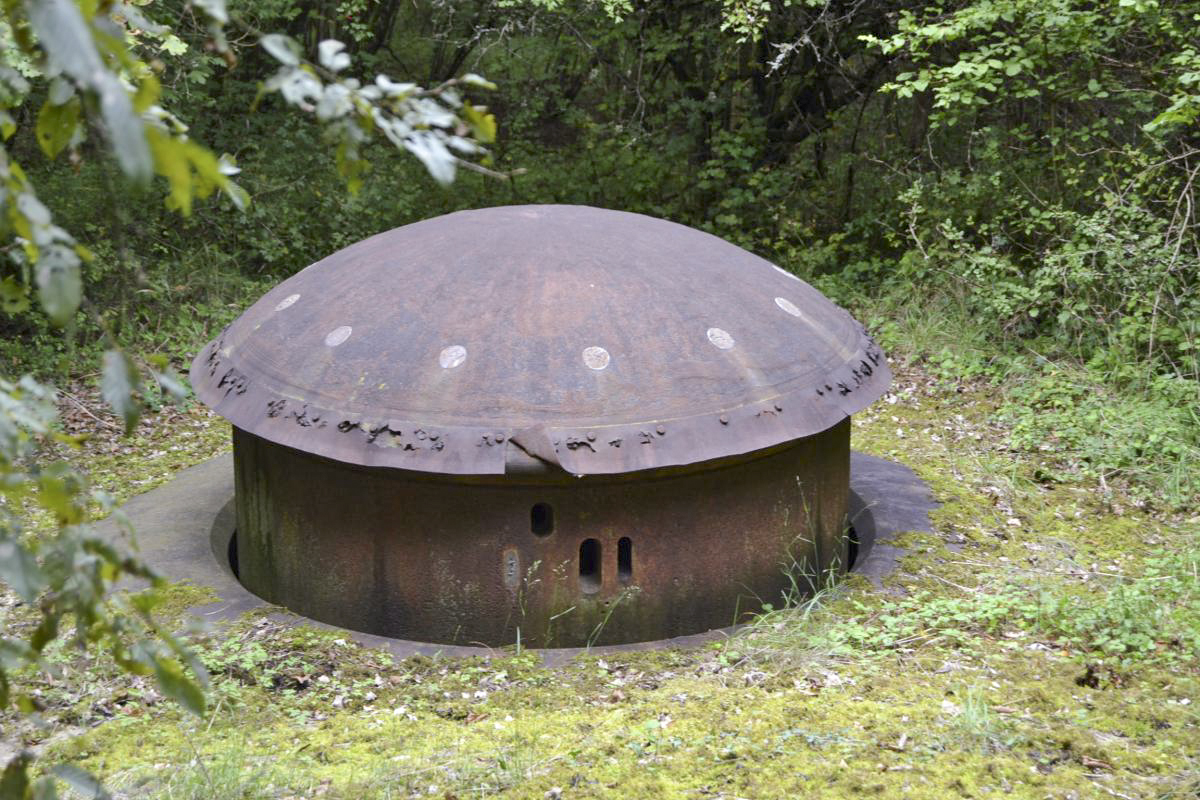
<point>174,45</point>
<point>119,385</point>
<point>81,781</point>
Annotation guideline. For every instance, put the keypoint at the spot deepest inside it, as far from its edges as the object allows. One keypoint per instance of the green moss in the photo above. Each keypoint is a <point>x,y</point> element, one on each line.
<point>986,667</point>
<point>1011,723</point>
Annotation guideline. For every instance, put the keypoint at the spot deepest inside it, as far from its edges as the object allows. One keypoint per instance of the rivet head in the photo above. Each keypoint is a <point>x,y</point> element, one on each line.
<point>784,272</point>
<point>720,339</point>
<point>661,430</point>
<point>591,436</point>
<point>452,356</point>
<point>788,306</point>
<point>596,358</point>
<point>337,336</point>
<point>286,302</point>
<point>499,437</point>
<point>724,419</point>
<point>778,407</point>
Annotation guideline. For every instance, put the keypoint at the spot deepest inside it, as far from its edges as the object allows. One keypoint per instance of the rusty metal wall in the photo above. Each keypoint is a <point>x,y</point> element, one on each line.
<point>457,560</point>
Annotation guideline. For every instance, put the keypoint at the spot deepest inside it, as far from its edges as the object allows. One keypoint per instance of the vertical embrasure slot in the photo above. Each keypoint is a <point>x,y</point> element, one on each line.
<point>589,565</point>
<point>625,559</point>
<point>541,519</point>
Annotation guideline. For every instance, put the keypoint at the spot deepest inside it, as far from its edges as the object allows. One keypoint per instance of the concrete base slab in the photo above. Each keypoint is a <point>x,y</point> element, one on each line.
<point>183,530</point>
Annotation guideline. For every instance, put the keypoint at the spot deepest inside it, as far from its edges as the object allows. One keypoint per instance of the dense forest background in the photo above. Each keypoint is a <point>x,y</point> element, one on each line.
<point>1005,191</point>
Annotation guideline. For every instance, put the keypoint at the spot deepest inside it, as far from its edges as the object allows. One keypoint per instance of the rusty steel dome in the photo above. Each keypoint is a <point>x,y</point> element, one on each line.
<point>426,419</point>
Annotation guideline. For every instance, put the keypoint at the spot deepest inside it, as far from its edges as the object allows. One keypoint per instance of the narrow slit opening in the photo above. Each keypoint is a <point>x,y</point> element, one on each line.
<point>625,559</point>
<point>541,519</point>
<point>589,565</point>
<point>852,546</point>
<point>231,554</point>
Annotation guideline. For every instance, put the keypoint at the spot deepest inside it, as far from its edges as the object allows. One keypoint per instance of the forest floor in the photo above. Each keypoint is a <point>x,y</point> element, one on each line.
<point>1043,642</point>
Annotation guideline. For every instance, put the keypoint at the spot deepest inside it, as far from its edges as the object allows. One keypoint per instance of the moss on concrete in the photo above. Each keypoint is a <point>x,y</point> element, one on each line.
<point>1013,653</point>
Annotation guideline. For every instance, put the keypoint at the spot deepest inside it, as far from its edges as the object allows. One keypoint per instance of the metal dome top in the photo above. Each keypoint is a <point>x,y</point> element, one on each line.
<point>599,341</point>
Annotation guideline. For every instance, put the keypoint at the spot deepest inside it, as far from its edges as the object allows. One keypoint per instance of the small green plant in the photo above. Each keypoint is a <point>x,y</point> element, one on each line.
<point>975,724</point>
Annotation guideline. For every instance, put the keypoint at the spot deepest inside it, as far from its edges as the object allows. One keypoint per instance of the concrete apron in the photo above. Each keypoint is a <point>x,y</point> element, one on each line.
<point>183,529</point>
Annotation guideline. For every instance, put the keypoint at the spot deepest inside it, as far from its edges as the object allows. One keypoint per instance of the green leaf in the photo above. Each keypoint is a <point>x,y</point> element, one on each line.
<point>44,789</point>
<point>14,782</point>
<point>44,633</point>
<point>119,385</point>
<point>176,685</point>
<point>14,296</point>
<point>82,782</point>
<point>14,653</point>
<point>171,161</point>
<point>174,45</point>
<point>169,382</point>
<point>283,49</point>
<point>70,45</point>
<point>59,283</point>
<point>20,570</point>
<point>215,9</point>
<point>483,125</point>
<point>331,57</point>
<point>471,79</point>
<point>56,125</point>
<point>429,150</point>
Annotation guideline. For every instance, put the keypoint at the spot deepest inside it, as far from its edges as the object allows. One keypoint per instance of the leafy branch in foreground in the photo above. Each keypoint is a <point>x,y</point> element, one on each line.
<point>425,122</point>
<point>93,67</point>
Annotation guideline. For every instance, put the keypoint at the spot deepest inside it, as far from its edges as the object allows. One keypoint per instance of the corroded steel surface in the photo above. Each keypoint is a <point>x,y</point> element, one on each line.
<point>484,342</point>
<point>467,561</point>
